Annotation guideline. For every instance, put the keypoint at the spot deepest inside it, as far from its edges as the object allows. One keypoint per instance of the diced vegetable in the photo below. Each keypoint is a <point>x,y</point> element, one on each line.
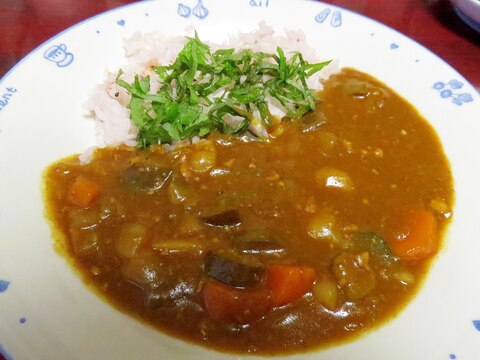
<point>312,121</point>
<point>85,219</point>
<point>228,218</point>
<point>440,206</point>
<point>354,274</point>
<point>238,306</point>
<point>333,178</point>
<point>258,242</point>
<point>322,226</point>
<point>85,243</point>
<point>171,295</point>
<point>326,292</point>
<point>145,271</point>
<point>234,270</point>
<point>417,238</point>
<point>289,282</point>
<point>181,193</point>
<point>153,274</point>
<point>374,244</point>
<point>202,160</point>
<point>83,192</point>
<point>327,142</point>
<point>190,225</point>
<point>356,88</point>
<point>405,277</point>
<point>168,246</point>
<point>146,179</point>
<point>130,239</point>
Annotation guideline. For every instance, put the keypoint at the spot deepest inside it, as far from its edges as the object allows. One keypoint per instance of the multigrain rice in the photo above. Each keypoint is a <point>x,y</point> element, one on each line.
<point>108,101</point>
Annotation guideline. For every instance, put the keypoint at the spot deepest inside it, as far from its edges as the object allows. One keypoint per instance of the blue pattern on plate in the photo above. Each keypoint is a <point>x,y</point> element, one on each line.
<point>6,355</point>
<point>5,99</point>
<point>199,11</point>
<point>121,22</point>
<point>446,91</point>
<point>476,323</point>
<point>335,20</point>
<point>22,320</point>
<point>183,10</point>
<point>322,15</point>
<point>59,55</point>
<point>4,285</point>
<point>259,3</point>
<point>394,46</point>
<point>452,356</point>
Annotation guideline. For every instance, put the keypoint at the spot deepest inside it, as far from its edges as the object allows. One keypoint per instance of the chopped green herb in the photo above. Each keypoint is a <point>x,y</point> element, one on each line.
<point>201,89</point>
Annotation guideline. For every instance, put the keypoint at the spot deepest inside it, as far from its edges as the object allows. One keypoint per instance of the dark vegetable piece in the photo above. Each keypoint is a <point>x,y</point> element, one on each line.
<point>176,295</point>
<point>233,270</point>
<point>228,218</point>
<point>373,243</point>
<point>153,274</point>
<point>354,274</point>
<point>356,88</point>
<point>85,243</point>
<point>258,242</point>
<point>312,121</point>
<point>237,306</point>
<point>145,178</point>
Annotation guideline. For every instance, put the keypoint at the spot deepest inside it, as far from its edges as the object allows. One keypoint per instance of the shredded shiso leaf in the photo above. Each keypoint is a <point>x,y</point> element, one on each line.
<point>201,89</point>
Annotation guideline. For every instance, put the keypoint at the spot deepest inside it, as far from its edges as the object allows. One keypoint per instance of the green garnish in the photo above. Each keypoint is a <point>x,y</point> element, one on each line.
<point>201,87</point>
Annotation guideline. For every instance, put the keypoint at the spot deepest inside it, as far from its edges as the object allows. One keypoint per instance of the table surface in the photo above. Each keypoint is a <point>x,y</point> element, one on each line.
<point>25,24</point>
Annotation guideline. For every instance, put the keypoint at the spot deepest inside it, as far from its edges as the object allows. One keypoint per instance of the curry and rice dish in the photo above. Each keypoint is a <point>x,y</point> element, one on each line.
<point>272,245</point>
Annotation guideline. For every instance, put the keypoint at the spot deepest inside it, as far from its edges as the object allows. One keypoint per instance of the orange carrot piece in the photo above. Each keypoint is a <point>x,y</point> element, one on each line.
<point>237,306</point>
<point>418,237</point>
<point>83,192</point>
<point>289,282</point>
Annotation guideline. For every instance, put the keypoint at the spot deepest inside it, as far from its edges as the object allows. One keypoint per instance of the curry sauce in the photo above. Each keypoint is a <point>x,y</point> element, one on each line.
<point>307,239</point>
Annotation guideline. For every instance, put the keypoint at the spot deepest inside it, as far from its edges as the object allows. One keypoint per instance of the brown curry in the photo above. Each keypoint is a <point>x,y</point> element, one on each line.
<point>266,247</point>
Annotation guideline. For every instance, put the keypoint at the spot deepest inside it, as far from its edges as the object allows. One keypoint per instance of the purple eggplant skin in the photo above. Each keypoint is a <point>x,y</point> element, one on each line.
<point>233,269</point>
<point>228,218</point>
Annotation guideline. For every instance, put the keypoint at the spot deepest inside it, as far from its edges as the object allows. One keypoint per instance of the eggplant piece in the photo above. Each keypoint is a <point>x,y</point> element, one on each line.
<point>165,282</point>
<point>257,243</point>
<point>233,270</point>
<point>172,296</point>
<point>145,178</point>
<point>228,218</point>
<point>312,121</point>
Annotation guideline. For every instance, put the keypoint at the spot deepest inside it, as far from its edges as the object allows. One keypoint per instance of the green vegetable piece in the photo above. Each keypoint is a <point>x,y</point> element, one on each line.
<point>373,243</point>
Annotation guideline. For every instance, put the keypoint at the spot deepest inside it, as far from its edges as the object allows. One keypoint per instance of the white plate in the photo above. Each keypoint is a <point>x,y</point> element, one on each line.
<point>45,310</point>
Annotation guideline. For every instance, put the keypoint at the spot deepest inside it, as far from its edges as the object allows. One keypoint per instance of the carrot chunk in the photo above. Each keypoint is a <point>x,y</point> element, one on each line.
<point>238,306</point>
<point>83,192</point>
<point>418,237</point>
<point>289,282</point>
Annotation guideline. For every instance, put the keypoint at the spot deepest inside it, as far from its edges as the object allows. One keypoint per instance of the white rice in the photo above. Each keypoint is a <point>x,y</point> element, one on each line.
<point>108,101</point>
